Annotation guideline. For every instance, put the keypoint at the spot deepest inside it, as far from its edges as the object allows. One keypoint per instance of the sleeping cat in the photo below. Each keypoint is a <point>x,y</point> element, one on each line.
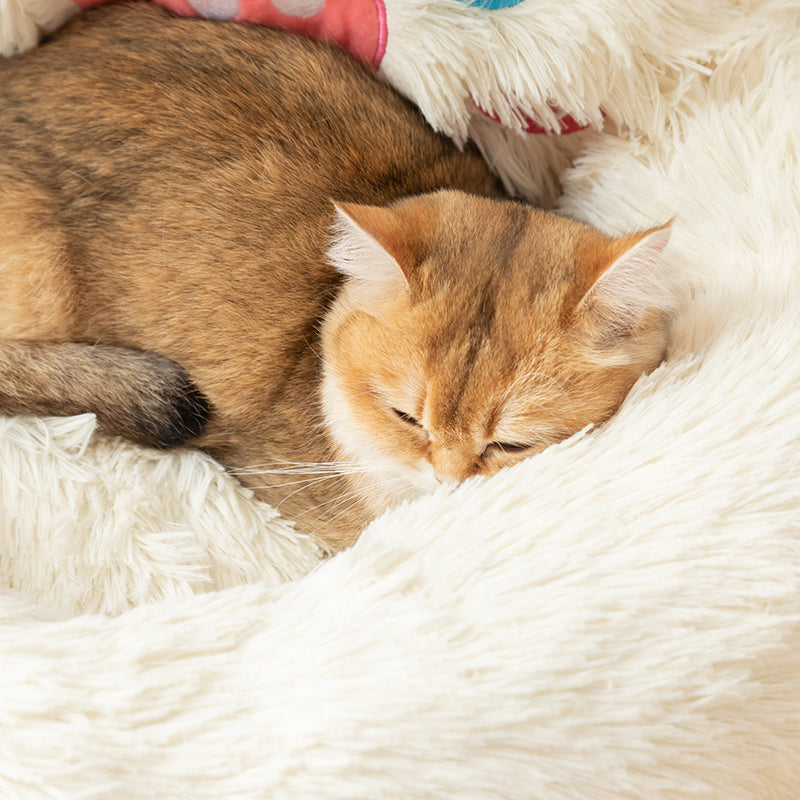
<point>345,310</point>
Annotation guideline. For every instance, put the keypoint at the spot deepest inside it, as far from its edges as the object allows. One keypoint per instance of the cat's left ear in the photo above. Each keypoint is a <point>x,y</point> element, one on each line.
<point>631,287</point>
<point>368,248</point>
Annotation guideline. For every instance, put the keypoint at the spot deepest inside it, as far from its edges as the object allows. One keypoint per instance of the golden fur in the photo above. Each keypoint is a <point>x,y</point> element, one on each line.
<point>168,187</point>
<point>493,344</point>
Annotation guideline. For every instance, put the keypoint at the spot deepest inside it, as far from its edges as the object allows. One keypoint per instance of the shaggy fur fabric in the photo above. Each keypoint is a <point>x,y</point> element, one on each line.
<point>617,617</point>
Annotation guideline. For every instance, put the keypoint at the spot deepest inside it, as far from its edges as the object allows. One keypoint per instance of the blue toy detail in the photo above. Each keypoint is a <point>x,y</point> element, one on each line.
<point>493,3</point>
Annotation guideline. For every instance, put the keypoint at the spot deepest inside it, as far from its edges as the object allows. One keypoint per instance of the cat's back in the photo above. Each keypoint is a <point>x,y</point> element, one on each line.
<point>167,185</point>
<point>171,153</point>
<point>131,80</point>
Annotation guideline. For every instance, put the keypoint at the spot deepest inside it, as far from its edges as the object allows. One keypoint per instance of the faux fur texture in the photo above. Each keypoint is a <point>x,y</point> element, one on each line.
<point>617,617</point>
<point>24,22</point>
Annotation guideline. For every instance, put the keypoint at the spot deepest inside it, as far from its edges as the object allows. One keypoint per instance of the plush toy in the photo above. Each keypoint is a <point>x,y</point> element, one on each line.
<point>382,34</point>
<point>494,71</point>
<point>616,617</point>
<point>359,26</point>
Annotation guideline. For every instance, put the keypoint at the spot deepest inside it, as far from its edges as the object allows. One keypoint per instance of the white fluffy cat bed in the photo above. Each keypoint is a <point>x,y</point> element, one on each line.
<point>618,617</point>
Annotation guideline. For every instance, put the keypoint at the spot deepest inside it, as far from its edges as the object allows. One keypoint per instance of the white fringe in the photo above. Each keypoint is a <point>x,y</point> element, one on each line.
<point>617,617</point>
<point>24,22</point>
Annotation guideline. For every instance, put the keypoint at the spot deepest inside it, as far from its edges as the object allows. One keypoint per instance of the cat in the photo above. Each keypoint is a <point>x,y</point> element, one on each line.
<point>238,238</point>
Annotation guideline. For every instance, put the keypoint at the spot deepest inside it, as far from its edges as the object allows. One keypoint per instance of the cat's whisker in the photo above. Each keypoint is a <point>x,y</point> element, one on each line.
<point>512,386</point>
<point>346,496</point>
<point>310,470</point>
<point>308,484</point>
<point>384,482</point>
<point>302,478</point>
<point>520,415</point>
<point>334,468</point>
<point>381,484</point>
<point>288,463</point>
<point>312,348</point>
<point>277,320</point>
<point>317,472</point>
<point>266,487</point>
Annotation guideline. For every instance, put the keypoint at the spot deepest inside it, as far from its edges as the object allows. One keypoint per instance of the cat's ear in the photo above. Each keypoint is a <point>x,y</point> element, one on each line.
<point>629,288</point>
<point>367,249</point>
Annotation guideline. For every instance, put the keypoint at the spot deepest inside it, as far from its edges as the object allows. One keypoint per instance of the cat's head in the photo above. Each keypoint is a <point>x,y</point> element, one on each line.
<point>471,333</point>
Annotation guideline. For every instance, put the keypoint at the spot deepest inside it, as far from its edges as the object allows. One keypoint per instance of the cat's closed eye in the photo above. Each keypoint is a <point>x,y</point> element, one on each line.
<point>407,418</point>
<point>507,447</point>
<point>511,326</point>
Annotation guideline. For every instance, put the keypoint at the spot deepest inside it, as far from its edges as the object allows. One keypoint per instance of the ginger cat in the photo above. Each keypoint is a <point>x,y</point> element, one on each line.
<point>345,310</point>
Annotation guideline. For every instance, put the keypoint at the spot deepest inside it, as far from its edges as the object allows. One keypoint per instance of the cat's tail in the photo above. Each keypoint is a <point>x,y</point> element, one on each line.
<point>24,22</point>
<point>141,396</point>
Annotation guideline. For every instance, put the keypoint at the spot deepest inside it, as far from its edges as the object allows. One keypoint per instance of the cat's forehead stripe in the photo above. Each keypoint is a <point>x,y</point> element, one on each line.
<point>511,239</point>
<point>463,371</point>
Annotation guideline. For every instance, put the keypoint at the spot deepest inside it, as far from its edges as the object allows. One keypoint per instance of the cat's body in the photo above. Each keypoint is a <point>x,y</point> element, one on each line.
<point>167,185</point>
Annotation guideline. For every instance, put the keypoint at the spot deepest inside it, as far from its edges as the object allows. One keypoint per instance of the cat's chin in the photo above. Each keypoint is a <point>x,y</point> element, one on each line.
<point>383,489</point>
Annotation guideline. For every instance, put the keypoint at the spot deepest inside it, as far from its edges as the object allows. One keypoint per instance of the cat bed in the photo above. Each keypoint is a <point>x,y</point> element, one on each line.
<point>618,616</point>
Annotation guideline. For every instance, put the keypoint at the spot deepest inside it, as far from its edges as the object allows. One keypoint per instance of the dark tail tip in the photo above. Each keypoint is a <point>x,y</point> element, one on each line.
<point>189,414</point>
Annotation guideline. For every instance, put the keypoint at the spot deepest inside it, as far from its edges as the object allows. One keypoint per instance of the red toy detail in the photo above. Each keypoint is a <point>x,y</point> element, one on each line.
<point>567,123</point>
<point>357,25</point>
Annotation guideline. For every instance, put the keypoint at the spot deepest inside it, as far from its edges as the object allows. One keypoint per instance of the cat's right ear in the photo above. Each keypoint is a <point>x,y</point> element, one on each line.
<point>380,248</point>
<point>630,288</point>
<point>366,248</point>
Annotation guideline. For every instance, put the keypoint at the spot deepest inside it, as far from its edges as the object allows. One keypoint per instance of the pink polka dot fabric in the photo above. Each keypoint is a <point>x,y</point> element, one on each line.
<point>357,25</point>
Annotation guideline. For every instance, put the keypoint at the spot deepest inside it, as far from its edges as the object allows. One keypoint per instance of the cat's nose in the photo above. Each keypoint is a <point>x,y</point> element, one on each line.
<point>451,467</point>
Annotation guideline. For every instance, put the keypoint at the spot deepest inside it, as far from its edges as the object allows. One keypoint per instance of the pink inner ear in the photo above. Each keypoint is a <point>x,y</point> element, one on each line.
<point>375,276</point>
<point>400,229</point>
<point>634,283</point>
